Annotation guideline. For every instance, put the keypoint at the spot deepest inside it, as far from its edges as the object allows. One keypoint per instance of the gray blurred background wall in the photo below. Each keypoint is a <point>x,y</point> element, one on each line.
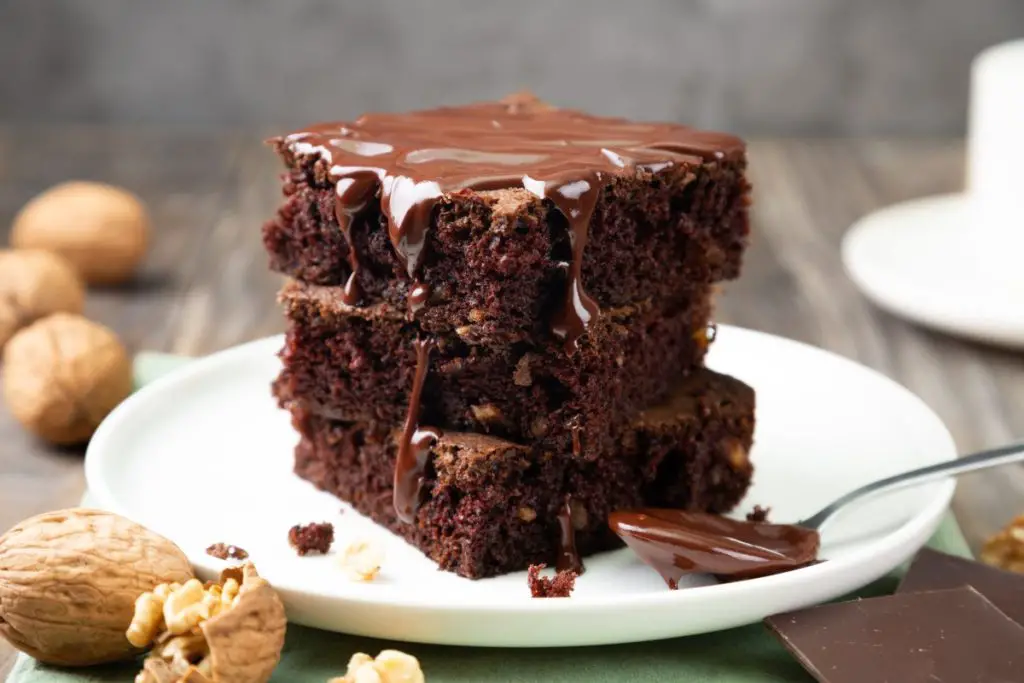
<point>753,66</point>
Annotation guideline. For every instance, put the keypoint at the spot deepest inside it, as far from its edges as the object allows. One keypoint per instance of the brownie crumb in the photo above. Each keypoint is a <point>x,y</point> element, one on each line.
<point>758,514</point>
<point>315,537</point>
<point>558,587</point>
<point>223,551</point>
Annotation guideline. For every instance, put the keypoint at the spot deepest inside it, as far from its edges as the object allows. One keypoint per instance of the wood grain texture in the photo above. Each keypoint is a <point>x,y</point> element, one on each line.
<point>206,286</point>
<point>822,66</point>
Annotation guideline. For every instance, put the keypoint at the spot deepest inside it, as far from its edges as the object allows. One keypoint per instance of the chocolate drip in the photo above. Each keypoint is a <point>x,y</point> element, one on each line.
<point>568,556</point>
<point>419,294</point>
<point>352,194</point>
<point>408,205</point>
<point>414,445</point>
<point>678,542</point>
<point>577,445</point>
<point>352,294</point>
<point>561,155</point>
<point>576,201</point>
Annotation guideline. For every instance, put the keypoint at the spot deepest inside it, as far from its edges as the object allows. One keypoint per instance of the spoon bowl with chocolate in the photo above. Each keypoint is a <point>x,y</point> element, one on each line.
<point>680,542</point>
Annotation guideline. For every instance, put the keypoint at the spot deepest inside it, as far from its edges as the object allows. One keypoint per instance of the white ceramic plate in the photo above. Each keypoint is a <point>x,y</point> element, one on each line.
<point>203,455</point>
<point>929,260</point>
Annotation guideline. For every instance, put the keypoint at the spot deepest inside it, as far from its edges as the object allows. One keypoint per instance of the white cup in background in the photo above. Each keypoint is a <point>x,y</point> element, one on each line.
<point>955,262</point>
<point>995,147</point>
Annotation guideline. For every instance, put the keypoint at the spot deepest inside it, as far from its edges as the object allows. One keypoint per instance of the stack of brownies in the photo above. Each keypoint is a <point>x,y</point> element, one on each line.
<point>497,322</point>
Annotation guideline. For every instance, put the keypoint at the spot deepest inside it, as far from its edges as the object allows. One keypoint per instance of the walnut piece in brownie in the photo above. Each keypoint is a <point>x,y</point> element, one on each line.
<point>315,537</point>
<point>223,551</point>
<point>559,586</point>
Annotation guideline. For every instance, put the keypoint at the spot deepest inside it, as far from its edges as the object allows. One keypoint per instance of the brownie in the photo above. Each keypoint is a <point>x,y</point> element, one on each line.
<point>560,585</point>
<point>356,364</point>
<point>490,238</point>
<point>505,308</point>
<point>490,505</point>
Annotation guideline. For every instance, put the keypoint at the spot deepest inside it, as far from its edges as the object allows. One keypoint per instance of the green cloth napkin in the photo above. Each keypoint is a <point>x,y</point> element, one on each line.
<point>742,655</point>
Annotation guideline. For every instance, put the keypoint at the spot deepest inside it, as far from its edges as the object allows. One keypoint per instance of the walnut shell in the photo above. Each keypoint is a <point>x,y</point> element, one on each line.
<point>101,229</point>
<point>244,642</point>
<point>34,284</point>
<point>69,579</point>
<point>62,375</point>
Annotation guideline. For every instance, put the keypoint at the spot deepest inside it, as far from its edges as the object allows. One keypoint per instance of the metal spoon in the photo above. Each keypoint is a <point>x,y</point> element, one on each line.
<point>970,463</point>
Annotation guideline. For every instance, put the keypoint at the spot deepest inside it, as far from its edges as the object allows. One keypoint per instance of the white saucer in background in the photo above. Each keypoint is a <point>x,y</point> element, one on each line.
<point>204,455</point>
<point>956,262</point>
<point>921,260</point>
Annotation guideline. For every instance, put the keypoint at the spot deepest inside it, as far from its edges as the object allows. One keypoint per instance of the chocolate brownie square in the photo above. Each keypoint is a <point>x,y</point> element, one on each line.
<point>491,506</point>
<point>357,363</point>
<point>509,216</point>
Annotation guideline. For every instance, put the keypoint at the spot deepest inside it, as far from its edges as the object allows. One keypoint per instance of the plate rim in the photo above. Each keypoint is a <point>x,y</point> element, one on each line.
<point>893,541</point>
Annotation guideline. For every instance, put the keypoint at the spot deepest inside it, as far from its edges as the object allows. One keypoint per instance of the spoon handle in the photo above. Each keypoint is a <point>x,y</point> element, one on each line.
<point>995,457</point>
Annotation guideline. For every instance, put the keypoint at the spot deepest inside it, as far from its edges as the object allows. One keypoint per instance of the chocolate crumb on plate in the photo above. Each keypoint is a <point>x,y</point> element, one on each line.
<point>315,537</point>
<point>947,635</point>
<point>932,570</point>
<point>559,586</point>
<point>223,551</point>
<point>758,514</point>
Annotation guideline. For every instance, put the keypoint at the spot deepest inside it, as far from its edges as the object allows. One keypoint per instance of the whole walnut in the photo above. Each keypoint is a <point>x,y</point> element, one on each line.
<point>101,229</point>
<point>34,284</point>
<point>62,375</point>
<point>69,580</point>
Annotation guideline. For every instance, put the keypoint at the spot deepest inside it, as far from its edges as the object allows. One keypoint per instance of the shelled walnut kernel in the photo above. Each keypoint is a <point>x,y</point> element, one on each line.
<point>226,632</point>
<point>1006,548</point>
<point>178,608</point>
<point>362,560</point>
<point>390,666</point>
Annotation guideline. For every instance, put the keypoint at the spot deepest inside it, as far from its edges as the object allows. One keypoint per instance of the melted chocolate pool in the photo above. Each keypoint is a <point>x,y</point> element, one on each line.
<point>677,542</point>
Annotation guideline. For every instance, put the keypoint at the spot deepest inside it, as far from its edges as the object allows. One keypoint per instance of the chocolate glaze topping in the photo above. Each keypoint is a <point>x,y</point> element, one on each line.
<point>568,555</point>
<point>413,160</point>
<point>677,542</point>
<point>414,445</point>
<point>354,193</point>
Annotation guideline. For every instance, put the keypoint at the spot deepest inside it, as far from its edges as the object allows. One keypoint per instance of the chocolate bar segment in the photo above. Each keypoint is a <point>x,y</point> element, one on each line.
<point>945,635</point>
<point>933,570</point>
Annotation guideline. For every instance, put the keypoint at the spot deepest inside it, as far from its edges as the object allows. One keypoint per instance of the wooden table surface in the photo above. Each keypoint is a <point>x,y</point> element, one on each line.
<point>206,286</point>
